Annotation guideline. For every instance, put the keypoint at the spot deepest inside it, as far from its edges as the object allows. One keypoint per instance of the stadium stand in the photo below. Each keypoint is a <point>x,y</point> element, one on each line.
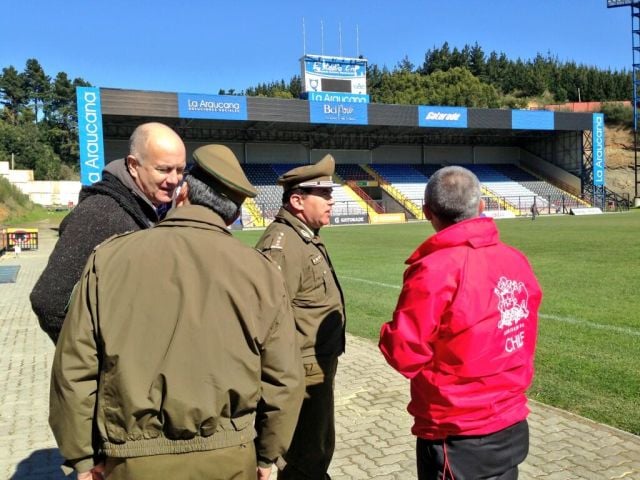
<point>351,172</point>
<point>427,169</point>
<point>503,187</point>
<point>269,197</point>
<point>345,204</point>
<point>404,184</point>
<point>409,181</point>
<point>507,187</point>
<point>557,199</point>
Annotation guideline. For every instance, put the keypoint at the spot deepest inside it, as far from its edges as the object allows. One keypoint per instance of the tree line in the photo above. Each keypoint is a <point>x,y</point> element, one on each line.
<point>38,113</point>
<point>39,121</point>
<point>469,77</point>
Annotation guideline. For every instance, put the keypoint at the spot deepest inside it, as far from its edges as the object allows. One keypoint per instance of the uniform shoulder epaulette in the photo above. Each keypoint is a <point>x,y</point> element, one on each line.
<point>275,242</point>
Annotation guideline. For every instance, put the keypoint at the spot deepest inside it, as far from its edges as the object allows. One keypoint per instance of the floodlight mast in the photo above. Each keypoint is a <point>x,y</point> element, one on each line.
<point>635,41</point>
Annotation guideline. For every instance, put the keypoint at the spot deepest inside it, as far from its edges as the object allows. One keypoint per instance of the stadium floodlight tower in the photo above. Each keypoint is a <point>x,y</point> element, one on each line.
<point>635,41</point>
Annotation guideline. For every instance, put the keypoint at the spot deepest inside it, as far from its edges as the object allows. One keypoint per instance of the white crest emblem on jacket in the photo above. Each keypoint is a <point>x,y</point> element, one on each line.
<point>512,301</point>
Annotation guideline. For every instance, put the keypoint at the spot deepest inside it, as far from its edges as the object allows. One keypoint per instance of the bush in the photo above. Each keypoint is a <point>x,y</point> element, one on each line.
<point>617,114</point>
<point>13,203</point>
<point>11,193</point>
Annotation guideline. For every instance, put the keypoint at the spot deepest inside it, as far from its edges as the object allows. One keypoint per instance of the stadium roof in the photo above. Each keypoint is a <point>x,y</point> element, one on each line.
<point>289,121</point>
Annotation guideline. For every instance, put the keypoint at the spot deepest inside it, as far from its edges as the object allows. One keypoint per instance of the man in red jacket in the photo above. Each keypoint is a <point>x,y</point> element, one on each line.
<point>464,333</point>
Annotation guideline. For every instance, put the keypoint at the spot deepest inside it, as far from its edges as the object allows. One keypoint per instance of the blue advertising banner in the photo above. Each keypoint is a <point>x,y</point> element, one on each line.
<point>338,112</point>
<point>218,107</point>
<point>532,120</point>
<point>442,117</point>
<point>336,97</point>
<point>598,149</point>
<point>90,134</point>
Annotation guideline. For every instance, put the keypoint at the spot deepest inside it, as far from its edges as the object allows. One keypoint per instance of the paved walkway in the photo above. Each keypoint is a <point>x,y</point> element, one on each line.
<point>373,439</point>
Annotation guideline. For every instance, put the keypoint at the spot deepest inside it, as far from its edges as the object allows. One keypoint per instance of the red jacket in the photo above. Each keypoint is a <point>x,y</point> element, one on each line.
<point>464,332</point>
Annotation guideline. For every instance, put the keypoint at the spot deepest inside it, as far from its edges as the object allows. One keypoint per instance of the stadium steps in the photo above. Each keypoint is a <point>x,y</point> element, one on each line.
<point>500,185</point>
<point>254,213</point>
<point>396,194</point>
<point>563,191</point>
<point>499,200</point>
<point>367,199</point>
<point>366,208</point>
<point>352,172</point>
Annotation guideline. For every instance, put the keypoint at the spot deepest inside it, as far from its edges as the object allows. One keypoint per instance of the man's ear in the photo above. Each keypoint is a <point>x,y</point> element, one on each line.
<point>296,201</point>
<point>132,163</point>
<point>481,206</point>
<point>427,213</point>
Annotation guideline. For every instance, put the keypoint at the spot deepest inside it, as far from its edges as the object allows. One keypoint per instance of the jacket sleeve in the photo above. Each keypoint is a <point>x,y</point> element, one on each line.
<point>85,228</point>
<point>74,378</point>
<point>282,382</point>
<point>407,341</point>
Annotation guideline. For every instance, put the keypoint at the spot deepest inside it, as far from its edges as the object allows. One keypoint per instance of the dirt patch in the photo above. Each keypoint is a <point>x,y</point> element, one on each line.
<point>620,171</point>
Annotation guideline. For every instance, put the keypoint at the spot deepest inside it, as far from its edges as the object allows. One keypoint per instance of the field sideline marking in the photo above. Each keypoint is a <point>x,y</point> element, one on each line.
<point>574,321</point>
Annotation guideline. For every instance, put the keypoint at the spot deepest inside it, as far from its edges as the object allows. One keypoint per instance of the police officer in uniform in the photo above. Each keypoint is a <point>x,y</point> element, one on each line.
<point>178,357</point>
<point>293,242</point>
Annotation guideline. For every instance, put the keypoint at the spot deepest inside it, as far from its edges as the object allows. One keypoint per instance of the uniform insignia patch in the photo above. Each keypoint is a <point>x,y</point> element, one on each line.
<point>276,243</point>
<point>316,260</point>
<point>305,234</point>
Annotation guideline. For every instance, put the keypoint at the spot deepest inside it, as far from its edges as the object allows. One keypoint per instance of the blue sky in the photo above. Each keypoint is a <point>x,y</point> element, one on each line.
<point>201,46</point>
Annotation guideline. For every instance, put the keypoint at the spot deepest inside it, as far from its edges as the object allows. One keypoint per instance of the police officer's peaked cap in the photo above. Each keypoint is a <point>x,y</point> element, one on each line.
<point>219,163</point>
<point>319,175</point>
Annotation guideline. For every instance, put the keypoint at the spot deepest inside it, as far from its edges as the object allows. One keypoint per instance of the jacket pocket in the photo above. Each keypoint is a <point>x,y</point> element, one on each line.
<point>236,424</point>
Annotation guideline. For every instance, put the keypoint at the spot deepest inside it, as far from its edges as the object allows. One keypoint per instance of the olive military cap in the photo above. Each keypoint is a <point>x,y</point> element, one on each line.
<point>218,162</point>
<point>319,175</point>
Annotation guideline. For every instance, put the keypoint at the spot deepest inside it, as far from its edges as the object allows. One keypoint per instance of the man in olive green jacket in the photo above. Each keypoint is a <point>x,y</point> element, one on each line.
<point>292,241</point>
<point>179,347</point>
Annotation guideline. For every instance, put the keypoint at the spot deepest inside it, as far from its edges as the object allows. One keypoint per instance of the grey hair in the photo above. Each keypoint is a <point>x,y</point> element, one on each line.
<point>453,194</point>
<point>204,192</point>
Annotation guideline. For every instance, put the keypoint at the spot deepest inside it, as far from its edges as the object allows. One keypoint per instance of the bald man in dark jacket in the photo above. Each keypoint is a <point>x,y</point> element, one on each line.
<point>130,196</point>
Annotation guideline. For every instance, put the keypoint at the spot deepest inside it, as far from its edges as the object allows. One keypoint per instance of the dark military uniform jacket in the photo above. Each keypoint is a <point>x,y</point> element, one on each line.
<point>178,339</point>
<point>316,296</point>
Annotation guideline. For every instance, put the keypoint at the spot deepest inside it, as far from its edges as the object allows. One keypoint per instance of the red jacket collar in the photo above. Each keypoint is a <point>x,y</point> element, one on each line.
<point>475,232</point>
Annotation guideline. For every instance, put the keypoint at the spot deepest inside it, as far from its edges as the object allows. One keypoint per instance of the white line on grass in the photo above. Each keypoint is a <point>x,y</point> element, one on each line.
<point>574,321</point>
<point>598,326</point>
<point>370,282</point>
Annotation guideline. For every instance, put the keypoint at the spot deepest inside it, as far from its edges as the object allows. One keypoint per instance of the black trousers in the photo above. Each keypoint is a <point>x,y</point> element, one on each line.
<point>488,457</point>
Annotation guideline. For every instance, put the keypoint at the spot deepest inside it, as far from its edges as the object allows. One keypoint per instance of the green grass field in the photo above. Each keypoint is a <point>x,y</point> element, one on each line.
<point>588,356</point>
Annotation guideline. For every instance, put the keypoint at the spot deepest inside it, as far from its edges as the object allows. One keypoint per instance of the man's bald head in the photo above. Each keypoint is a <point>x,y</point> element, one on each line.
<point>156,161</point>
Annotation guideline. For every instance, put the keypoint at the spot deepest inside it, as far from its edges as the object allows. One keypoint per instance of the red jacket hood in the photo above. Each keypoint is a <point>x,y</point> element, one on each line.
<point>475,232</point>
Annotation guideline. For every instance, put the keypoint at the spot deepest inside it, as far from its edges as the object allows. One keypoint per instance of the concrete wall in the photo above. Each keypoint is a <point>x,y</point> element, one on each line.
<point>548,170</point>
<point>397,154</point>
<point>342,156</point>
<point>276,153</point>
<point>16,176</point>
<point>47,193</point>
<point>494,155</point>
<point>448,155</point>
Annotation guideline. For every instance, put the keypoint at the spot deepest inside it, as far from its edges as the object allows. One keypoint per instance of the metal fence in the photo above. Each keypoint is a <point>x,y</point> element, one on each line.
<point>522,205</point>
<point>517,205</point>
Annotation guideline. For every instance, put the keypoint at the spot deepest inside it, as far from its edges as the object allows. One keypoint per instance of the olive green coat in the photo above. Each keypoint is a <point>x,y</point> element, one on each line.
<point>178,339</point>
<point>316,296</point>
